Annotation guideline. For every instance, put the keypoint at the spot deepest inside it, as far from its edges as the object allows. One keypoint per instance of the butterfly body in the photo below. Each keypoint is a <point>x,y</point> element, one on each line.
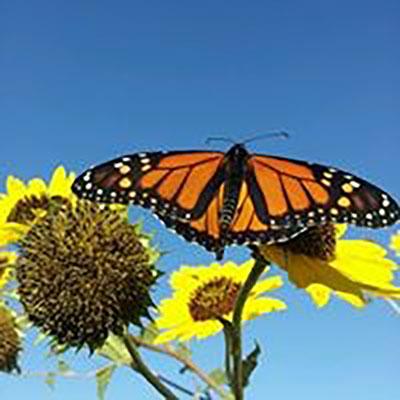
<point>235,168</point>
<point>218,199</point>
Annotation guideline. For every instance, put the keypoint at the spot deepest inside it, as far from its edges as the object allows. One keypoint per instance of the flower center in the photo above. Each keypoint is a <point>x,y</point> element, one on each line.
<point>29,208</point>
<point>318,242</point>
<point>214,299</point>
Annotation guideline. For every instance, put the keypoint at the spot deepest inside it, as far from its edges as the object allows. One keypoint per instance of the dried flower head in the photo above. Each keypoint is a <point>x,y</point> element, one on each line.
<point>84,271</point>
<point>9,341</point>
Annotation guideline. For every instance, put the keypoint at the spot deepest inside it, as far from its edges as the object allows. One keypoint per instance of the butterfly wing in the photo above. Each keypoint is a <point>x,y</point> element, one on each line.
<point>180,184</point>
<point>185,190</point>
<point>278,197</point>
<point>288,192</point>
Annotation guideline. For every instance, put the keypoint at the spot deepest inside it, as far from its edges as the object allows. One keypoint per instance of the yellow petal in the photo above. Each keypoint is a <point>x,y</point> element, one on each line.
<point>15,185</point>
<point>355,300</point>
<point>340,230</point>
<point>395,243</point>
<point>11,232</point>
<point>364,263</point>
<point>256,307</point>
<point>7,258</point>
<point>36,186</point>
<point>60,183</point>
<point>267,285</point>
<point>320,294</point>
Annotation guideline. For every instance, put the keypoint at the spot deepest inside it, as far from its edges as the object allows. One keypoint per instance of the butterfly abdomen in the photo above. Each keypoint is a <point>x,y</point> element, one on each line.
<point>235,172</point>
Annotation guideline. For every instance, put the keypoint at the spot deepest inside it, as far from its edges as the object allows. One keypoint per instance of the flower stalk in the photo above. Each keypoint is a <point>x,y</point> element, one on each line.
<point>236,332</point>
<point>139,366</point>
<point>186,361</point>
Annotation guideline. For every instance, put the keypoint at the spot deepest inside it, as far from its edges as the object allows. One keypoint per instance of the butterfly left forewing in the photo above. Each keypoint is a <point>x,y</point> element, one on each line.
<point>167,183</point>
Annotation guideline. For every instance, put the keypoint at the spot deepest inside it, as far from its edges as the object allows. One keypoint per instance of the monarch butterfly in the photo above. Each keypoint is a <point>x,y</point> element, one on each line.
<point>217,199</point>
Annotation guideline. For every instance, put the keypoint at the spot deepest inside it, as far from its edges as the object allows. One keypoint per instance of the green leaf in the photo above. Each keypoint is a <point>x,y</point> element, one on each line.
<point>40,337</point>
<point>23,323</point>
<point>56,348</point>
<point>114,349</point>
<point>63,367</point>
<point>50,380</point>
<point>103,378</point>
<point>218,376</point>
<point>183,350</point>
<point>149,333</point>
<point>250,363</point>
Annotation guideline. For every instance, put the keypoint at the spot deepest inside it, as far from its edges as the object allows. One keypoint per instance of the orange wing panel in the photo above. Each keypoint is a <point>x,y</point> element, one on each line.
<point>199,224</point>
<point>187,159</point>
<point>212,218</point>
<point>197,180</point>
<point>172,183</point>
<point>257,225</point>
<point>152,178</point>
<point>317,191</point>
<point>268,181</point>
<point>297,197</point>
<point>286,167</point>
<point>243,194</point>
<point>243,216</point>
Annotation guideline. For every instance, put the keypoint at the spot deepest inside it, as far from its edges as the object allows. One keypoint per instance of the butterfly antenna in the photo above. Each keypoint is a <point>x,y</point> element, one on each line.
<point>281,134</point>
<point>219,139</point>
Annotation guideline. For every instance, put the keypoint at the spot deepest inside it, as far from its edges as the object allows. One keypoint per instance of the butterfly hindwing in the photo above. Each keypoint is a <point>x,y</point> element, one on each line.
<point>246,227</point>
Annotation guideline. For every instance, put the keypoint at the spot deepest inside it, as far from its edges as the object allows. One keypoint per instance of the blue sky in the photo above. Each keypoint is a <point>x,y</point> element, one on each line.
<point>82,82</point>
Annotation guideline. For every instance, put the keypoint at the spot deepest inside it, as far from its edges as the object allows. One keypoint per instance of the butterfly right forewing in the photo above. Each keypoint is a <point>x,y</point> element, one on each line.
<point>292,192</point>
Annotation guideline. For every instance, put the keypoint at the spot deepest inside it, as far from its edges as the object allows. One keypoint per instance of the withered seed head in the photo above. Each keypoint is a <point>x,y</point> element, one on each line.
<point>318,242</point>
<point>9,342</point>
<point>84,272</point>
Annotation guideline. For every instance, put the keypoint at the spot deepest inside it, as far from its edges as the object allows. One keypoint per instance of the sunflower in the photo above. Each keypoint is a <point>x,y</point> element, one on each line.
<point>7,258</point>
<point>322,263</point>
<point>395,243</point>
<point>203,295</point>
<point>24,204</point>
<point>85,272</point>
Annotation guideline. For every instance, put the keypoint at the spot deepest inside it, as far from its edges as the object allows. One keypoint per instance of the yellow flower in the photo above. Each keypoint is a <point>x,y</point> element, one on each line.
<point>322,263</point>
<point>23,204</point>
<point>395,243</point>
<point>201,295</point>
<point>7,258</point>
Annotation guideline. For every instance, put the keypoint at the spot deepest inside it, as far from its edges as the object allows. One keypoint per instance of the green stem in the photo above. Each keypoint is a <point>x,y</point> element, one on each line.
<point>186,361</point>
<point>140,367</point>
<point>251,280</point>
<point>228,347</point>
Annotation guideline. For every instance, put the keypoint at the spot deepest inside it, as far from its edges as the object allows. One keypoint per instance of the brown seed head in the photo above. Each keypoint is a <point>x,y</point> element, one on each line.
<point>84,272</point>
<point>318,242</point>
<point>214,299</point>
